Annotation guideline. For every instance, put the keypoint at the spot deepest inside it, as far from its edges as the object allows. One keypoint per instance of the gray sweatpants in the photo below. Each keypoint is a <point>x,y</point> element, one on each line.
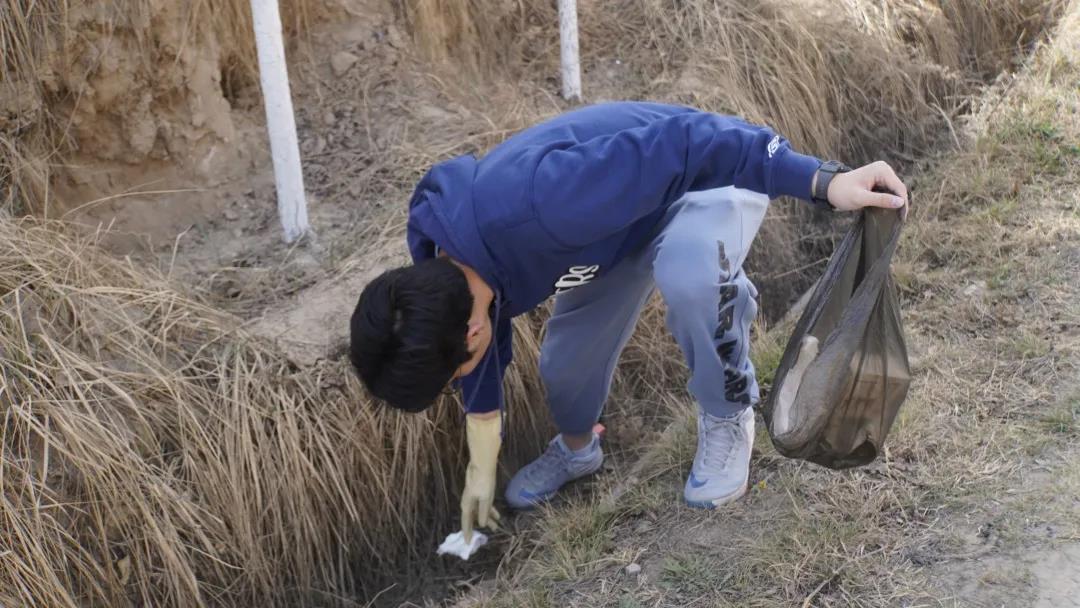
<point>695,259</point>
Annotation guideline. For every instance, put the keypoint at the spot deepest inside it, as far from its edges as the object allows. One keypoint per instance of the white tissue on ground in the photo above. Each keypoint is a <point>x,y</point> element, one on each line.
<point>455,544</point>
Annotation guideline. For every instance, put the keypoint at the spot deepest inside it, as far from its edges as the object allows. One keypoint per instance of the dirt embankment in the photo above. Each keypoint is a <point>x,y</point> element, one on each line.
<point>104,98</point>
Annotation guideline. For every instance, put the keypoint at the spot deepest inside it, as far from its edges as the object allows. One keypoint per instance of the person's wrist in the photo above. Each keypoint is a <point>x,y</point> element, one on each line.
<point>823,179</point>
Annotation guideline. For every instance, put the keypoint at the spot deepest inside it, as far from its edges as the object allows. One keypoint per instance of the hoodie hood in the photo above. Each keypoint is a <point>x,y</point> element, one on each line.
<point>442,213</point>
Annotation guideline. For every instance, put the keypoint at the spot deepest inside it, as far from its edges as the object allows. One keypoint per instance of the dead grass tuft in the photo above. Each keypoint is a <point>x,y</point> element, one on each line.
<point>485,36</point>
<point>152,453</point>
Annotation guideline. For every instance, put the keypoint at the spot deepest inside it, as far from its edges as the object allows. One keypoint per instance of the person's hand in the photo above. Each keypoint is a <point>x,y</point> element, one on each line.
<point>855,189</point>
<point>483,433</point>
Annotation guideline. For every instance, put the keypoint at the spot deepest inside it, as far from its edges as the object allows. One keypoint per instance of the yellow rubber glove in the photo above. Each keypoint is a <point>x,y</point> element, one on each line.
<point>483,433</point>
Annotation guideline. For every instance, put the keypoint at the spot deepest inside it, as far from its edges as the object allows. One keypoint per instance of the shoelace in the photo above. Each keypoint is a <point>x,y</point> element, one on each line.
<point>718,440</point>
<point>553,460</point>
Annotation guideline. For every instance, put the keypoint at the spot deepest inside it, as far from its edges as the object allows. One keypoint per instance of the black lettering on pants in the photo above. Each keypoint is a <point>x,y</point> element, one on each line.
<point>735,382</point>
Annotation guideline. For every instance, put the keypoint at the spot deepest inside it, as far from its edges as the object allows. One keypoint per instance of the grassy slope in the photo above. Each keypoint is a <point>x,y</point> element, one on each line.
<point>979,478</point>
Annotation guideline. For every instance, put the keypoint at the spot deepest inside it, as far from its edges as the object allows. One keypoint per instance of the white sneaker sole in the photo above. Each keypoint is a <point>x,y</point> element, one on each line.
<point>717,502</point>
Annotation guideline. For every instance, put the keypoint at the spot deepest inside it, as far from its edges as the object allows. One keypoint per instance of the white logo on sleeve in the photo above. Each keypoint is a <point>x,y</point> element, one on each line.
<point>576,276</point>
<point>774,145</point>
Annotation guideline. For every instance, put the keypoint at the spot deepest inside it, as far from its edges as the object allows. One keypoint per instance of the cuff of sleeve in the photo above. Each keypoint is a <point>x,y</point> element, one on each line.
<point>485,398</point>
<point>793,174</point>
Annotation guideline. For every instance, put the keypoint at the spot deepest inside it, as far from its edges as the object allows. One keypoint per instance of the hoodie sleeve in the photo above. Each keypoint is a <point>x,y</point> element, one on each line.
<point>482,390</point>
<point>593,189</point>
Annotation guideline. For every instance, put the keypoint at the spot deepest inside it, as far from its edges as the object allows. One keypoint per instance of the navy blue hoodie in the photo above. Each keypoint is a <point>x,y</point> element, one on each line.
<point>559,204</point>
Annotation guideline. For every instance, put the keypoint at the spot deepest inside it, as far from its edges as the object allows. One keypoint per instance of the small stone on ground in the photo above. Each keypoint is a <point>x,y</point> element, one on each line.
<point>341,61</point>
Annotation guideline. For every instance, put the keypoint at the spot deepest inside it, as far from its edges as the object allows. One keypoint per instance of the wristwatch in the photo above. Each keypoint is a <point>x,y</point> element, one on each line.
<point>825,173</point>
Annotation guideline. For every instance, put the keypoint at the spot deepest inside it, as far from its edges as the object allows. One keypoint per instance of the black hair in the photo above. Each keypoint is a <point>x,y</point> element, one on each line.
<point>408,332</point>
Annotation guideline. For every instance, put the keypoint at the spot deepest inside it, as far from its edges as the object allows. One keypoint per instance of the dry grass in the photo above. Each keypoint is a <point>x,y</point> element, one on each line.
<point>981,463</point>
<point>864,79</point>
<point>481,35</point>
<point>153,454</point>
<point>861,81</point>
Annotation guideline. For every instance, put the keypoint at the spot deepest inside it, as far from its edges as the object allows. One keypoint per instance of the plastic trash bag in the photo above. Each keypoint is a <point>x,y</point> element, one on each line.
<point>845,371</point>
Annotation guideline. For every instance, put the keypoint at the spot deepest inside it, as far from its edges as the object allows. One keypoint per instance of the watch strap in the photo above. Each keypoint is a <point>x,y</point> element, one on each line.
<point>825,173</point>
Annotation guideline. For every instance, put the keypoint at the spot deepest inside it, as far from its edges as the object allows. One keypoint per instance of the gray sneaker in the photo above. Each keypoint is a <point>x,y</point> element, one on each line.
<point>722,465</point>
<point>539,480</point>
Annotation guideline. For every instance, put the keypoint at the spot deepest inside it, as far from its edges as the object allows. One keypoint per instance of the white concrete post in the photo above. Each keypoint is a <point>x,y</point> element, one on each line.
<point>568,47</point>
<point>280,122</point>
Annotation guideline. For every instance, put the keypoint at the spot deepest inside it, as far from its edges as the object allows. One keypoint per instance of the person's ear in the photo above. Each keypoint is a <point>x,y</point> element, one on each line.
<point>473,334</point>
